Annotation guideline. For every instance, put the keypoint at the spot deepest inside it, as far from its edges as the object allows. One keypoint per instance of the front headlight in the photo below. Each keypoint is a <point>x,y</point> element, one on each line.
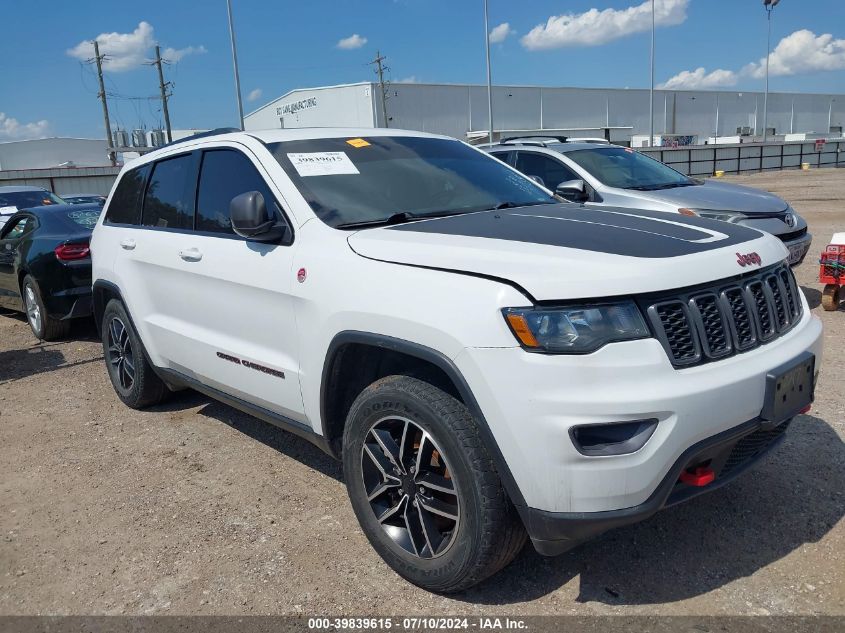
<point>576,329</point>
<point>725,216</point>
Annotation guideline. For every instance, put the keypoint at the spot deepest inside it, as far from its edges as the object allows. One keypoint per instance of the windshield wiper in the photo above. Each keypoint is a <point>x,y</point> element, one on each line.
<point>400,218</point>
<point>667,185</point>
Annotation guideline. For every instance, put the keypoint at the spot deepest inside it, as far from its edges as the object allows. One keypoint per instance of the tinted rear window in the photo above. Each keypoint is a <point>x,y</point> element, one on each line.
<point>124,206</point>
<point>85,218</point>
<point>169,201</point>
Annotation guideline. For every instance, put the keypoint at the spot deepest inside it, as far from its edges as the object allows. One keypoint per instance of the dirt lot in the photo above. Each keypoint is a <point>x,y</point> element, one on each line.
<point>195,508</point>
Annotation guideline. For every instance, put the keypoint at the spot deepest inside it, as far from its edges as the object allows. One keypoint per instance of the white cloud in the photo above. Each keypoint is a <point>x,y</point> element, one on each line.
<point>352,42</point>
<point>409,80</point>
<point>801,52</point>
<point>255,95</point>
<point>595,27</point>
<point>176,54</point>
<point>700,79</point>
<point>13,130</point>
<point>500,33</point>
<point>125,51</point>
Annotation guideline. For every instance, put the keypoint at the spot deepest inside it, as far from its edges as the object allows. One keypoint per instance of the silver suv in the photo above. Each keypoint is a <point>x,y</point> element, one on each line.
<point>604,175</point>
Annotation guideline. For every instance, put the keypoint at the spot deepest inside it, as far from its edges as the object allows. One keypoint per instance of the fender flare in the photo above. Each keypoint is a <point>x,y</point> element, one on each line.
<point>442,362</point>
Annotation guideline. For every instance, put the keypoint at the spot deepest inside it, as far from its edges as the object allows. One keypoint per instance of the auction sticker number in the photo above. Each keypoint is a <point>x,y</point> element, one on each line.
<point>322,164</point>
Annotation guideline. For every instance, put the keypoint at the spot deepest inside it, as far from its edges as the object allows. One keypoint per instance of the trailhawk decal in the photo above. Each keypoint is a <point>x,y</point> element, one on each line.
<point>627,232</point>
<point>248,363</point>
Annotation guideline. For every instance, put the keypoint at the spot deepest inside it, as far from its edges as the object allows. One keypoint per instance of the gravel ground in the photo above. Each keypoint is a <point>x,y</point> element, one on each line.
<point>195,508</point>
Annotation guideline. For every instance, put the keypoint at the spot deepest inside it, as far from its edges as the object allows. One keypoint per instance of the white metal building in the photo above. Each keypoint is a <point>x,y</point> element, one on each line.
<point>461,110</point>
<point>46,153</point>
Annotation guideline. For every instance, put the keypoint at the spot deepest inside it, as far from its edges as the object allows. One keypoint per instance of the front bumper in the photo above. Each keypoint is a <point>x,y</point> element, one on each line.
<point>798,248</point>
<point>731,453</point>
<point>530,403</point>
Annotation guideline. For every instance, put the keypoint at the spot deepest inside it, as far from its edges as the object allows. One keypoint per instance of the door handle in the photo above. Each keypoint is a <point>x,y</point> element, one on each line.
<point>190,254</point>
<point>128,245</point>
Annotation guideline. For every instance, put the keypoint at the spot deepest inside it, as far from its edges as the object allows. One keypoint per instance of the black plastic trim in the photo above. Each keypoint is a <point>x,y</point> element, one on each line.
<point>645,429</point>
<point>554,533</point>
<point>299,429</point>
<point>449,368</point>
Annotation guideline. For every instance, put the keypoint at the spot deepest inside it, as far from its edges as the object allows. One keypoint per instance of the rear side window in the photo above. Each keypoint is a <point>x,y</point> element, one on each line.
<point>168,203</point>
<point>226,173</point>
<point>124,207</point>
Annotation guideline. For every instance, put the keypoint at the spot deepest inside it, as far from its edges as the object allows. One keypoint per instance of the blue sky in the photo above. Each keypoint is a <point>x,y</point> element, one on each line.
<point>49,90</point>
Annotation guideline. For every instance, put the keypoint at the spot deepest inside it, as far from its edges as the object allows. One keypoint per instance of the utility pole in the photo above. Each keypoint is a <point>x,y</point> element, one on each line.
<point>380,68</point>
<point>651,87</point>
<point>98,59</point>
<point>163,88</point>
<point>489,74</point>
<point>769,5</point>
<point>235,64</point>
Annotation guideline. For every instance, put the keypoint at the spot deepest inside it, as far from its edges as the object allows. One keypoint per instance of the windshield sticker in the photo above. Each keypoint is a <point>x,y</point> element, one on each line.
<point>322,164</point>
<point>358,142</point>
<point>8,210</point>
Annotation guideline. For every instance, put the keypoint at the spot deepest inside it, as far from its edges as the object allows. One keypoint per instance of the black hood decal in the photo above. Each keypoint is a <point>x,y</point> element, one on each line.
<point>627,232</point>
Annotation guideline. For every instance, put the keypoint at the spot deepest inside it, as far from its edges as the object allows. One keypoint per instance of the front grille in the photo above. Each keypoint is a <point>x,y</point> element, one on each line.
<point>794,235</point>
<point>752,445</point>
<point>723,319</point>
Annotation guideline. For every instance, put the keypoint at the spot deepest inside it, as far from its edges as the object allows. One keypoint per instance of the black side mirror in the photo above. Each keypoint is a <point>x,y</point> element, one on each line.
<point>575,190</point>
<point>252,220</point>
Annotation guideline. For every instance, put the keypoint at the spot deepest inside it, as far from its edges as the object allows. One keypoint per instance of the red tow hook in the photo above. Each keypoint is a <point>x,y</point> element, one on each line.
<point>806,409</point>
<point>699,476</point>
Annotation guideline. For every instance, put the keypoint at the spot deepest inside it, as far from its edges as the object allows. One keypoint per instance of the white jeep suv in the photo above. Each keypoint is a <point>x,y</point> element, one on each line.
<point>488,362</point>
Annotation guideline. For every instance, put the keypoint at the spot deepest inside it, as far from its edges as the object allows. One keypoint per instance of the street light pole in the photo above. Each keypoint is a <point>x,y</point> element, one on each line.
<point>235,64</point>
<point>651,89</point>
<point>489,76</point>
<point>769,5</point>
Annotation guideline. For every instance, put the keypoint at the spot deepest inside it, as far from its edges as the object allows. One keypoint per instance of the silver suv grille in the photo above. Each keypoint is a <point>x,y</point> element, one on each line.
<point>713,322</point>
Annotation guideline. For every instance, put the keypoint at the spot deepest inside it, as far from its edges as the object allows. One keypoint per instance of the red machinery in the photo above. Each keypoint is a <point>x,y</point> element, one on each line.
<point>832,271</point>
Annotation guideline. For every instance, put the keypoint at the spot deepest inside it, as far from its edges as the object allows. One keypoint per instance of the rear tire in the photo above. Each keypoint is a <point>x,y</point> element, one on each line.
<point>132,376</point>
<point>435,509</point>
<point>44,327</point>
<point>830,297</point>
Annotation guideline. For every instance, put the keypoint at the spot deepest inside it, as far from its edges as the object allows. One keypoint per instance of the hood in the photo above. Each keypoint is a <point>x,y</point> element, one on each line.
<point>720,196</point>
<point>567,251</point>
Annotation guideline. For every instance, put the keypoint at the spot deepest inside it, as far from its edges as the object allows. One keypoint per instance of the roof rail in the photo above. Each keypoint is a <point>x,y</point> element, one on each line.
<point>193,137</point>
<point>534,139</point>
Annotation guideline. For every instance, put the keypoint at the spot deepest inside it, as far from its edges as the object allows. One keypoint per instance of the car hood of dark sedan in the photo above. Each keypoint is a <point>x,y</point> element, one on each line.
<point>720,196</point>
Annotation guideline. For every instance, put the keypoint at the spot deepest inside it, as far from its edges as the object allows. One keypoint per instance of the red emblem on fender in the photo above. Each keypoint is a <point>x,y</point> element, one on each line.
<point>301,274</point>
<point>748,259</point>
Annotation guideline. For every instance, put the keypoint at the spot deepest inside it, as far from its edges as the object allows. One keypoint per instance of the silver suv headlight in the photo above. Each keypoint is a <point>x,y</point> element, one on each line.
<point>576,329</point>
<point>733,217</point>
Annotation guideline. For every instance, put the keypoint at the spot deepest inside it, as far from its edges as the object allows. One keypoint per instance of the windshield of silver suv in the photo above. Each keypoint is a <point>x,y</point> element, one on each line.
<point>626,168</point>
<point>357,182</point>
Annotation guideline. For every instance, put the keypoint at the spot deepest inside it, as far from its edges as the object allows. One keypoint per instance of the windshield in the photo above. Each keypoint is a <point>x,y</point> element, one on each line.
<point>367,180</point>
<point>626,168</point>
<point>28,199</point>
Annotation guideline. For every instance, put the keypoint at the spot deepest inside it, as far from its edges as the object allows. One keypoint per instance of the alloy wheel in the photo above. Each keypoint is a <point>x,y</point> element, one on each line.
<point>33,311</point>
<point>121,356</point>
<point>410,487</point>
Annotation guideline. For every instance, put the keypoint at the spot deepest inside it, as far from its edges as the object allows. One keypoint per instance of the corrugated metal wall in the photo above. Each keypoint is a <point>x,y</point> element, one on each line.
<point>458,109</point>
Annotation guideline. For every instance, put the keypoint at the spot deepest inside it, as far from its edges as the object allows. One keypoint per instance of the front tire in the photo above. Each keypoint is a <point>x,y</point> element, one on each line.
<point>132,376</point>
<point>42,325</point>
<point>424,488</point>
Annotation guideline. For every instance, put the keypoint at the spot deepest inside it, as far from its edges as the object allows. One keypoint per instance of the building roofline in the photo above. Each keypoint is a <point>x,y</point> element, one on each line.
<point>290,92</point>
